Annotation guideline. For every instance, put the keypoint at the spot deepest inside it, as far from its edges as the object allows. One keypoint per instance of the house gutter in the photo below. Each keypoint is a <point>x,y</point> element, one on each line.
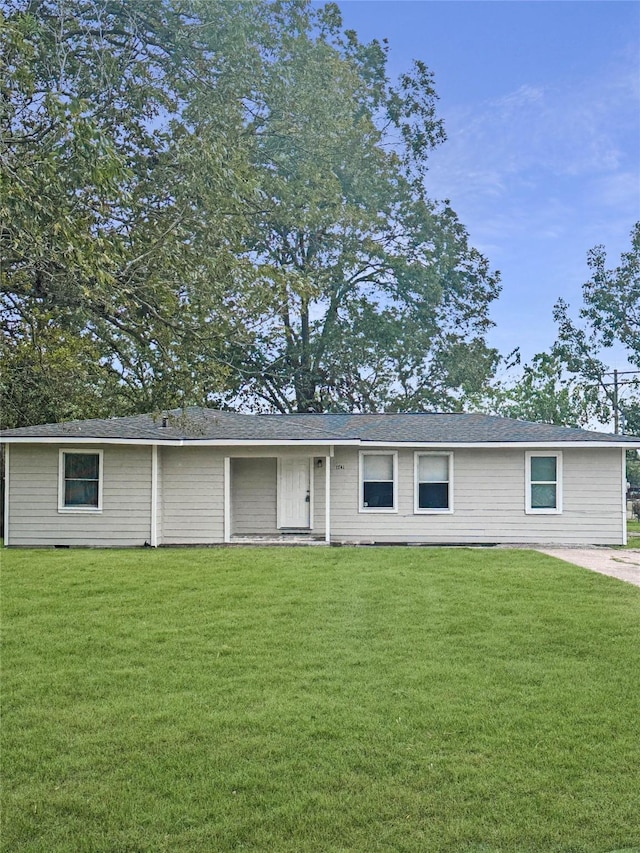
<point>177,442</point>
<point>351,442</point>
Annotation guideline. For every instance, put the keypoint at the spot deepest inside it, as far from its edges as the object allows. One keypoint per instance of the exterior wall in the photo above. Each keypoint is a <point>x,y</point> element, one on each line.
<point>489,501</point>
<point>253,496</point>
<point>488,496</point>
<point>192,501</point>
<point>34,520</point>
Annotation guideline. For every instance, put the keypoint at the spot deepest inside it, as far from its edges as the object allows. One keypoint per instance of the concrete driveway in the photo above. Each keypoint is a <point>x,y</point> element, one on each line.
<point>621,564</point>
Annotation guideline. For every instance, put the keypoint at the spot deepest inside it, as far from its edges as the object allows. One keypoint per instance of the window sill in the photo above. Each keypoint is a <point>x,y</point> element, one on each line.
<point>543,512</point>
<point>433,512</point>
<point>63,510</point>
<point>376,509</point>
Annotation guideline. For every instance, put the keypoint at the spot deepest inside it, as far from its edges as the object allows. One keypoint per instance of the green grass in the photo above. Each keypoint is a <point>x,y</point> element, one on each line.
<point>633,535</point>
<point>330,700</point>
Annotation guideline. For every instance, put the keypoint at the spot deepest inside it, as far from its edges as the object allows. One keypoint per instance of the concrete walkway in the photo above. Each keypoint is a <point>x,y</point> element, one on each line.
<point>621,564</point>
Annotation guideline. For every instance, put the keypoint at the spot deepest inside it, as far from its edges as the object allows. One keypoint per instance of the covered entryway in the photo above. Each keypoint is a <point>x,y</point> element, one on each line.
<point>280,496</point>
<point>276,497</point>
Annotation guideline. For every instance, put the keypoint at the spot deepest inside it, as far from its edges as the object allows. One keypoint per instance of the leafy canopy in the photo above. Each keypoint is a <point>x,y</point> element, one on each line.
<point>610,316</point>
<point>371,296</point>
<point>225,202</point>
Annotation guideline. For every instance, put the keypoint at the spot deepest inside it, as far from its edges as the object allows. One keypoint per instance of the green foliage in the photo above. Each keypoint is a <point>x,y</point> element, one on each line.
<point>545,393</point>
<point>633,469</point>
<point>223,201</point>
<point>50,375</point>
<point>373,298</point>
<point>121,198</point>
<point>610,315</point>
<point>612,298</point>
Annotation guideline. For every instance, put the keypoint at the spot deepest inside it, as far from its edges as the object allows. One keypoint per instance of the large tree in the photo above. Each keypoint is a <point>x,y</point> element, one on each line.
<point>372,297</point>
<point>124,188</point>
<point>225,201</point>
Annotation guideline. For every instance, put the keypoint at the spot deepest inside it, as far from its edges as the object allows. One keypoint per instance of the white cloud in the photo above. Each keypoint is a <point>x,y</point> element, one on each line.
<point>540,176</point>
<point>585,129</point>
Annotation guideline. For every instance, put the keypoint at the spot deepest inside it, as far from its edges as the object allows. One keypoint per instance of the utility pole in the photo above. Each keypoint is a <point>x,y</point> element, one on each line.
<point>617,383</point>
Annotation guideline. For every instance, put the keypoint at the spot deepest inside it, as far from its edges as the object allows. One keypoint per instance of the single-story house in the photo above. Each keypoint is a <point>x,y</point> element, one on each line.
<point>203,477</point>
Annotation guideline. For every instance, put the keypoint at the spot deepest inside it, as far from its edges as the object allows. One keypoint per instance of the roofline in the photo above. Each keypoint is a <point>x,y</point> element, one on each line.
<point>174,442</point>
<point>630,444</point>
<point>502,444</point>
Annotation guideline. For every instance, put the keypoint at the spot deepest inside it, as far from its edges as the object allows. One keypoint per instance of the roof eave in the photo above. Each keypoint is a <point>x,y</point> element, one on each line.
<point>629,444</point>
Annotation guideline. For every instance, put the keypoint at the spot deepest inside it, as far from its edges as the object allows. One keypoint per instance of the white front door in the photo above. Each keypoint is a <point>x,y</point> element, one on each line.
<point>294,493</point>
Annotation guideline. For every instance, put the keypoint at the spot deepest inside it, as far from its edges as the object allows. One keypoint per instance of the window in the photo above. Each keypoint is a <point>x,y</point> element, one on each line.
<point>378,476</point>
<point>80,487</point>
<point>544,483</point>
<point>433,482</point>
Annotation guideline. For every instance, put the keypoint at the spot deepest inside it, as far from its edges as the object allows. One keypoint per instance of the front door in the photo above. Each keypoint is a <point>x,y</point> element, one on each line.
<point>294,493</point>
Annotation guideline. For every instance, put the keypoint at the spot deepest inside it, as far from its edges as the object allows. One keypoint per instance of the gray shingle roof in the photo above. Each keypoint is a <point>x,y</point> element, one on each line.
<point>197,424</point>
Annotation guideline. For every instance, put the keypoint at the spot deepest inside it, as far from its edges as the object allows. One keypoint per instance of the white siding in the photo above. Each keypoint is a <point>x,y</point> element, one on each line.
<point>253,496</point>
<point>489,498</point>
<point>489,501</point>
<point>192,495</point>
<point>125,518</point>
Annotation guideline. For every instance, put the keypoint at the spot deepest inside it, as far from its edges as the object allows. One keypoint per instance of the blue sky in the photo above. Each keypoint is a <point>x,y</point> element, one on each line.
<point>541,103</point>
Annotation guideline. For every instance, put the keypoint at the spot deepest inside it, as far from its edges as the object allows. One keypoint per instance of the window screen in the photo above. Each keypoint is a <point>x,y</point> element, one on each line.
<point>377,481</point>
<point>433,482</point>
<point>544,482</point>
<point>81,479</point>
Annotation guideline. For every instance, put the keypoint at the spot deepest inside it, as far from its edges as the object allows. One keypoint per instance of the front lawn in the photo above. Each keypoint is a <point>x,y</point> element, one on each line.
<point>329,700</point>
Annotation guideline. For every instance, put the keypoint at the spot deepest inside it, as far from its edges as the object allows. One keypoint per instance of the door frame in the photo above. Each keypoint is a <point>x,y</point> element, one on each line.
<point>279,524</point>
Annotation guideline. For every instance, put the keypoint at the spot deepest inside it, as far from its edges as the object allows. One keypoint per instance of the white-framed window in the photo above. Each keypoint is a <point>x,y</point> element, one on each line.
<point>80,481</point>
<point>433,478</point>
<point>378,481</point>
<point>543,482</point>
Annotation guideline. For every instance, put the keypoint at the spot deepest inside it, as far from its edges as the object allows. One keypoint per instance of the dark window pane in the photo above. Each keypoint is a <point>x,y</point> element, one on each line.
<point>378,494</point>
<point>81,493</point>
<point>81,466</point>
<point>543,496</point>
<point>433,496</point>
<point>543,468</point>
